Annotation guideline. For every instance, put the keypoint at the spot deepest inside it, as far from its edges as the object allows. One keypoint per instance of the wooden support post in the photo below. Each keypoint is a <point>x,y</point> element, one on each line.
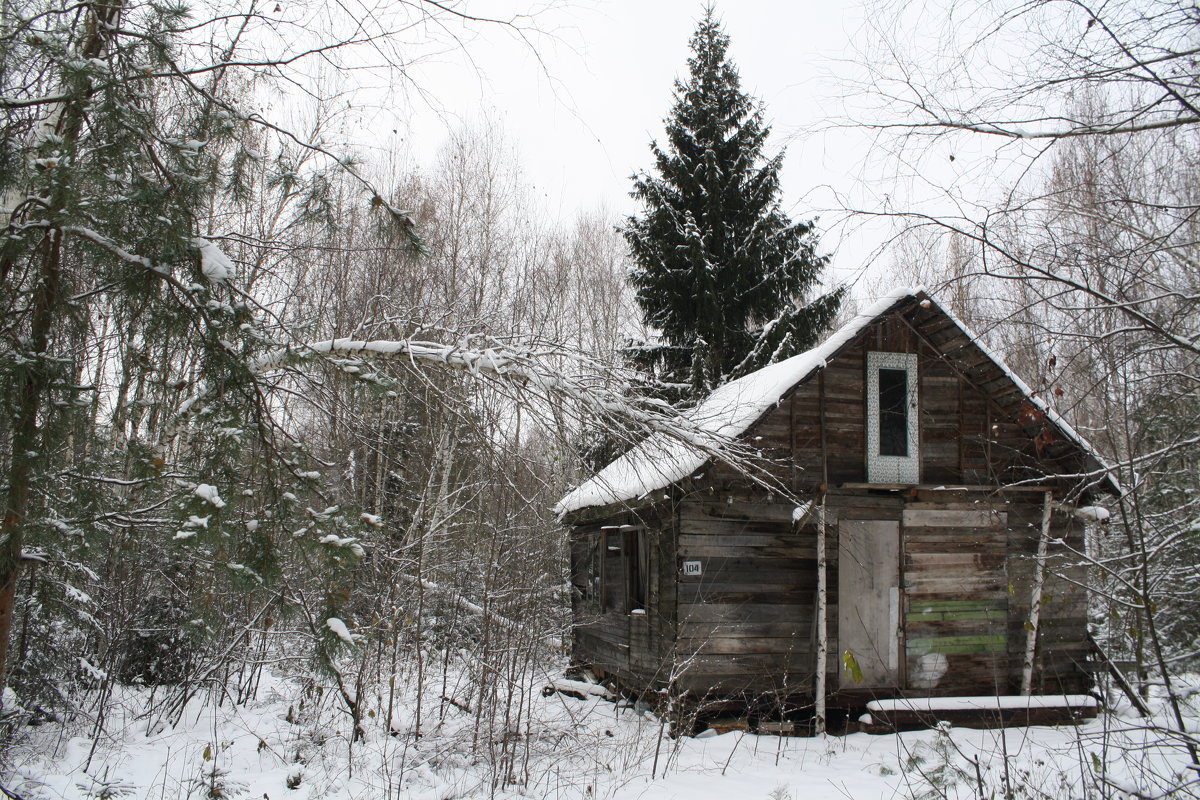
<point>1035,599</point>
<point>822,631</point>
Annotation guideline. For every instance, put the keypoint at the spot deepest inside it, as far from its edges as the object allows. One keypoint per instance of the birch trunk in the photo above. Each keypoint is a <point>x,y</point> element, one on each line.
<point>1035,600</point>
<point>822,613</point>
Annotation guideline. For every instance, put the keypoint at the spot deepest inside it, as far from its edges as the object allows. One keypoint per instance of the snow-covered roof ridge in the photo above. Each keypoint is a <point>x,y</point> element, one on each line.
<point>659,460</point>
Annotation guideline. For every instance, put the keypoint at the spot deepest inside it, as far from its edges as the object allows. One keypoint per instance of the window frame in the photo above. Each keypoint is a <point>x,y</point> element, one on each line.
<point>630,542</point>
<point>637,569</point>
<point>893,469</point>
<point>588,571</point>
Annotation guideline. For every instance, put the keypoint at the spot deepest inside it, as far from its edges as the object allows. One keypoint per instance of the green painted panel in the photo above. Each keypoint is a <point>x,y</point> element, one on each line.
<point>1003,615</point>
<point>939,610</point>
<point>956,645</point>
<point>966,650</point>
<point>937,616</point>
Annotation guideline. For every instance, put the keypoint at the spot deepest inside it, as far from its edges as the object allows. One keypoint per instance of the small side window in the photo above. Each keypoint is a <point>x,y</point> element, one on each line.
<point>892,427</point>
<point>586,570</point>
<point>612,572</point>
<point>624,568</point>
<point>637,558</point>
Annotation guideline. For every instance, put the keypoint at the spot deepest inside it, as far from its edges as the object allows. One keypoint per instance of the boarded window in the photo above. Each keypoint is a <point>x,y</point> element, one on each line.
<point>612,573</point>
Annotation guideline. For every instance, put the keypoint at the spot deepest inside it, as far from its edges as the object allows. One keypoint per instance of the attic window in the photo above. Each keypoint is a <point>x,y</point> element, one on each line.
<point>892,455</point>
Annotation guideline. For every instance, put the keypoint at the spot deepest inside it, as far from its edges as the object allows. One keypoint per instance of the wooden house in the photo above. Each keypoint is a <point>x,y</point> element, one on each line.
<point>936,479</point>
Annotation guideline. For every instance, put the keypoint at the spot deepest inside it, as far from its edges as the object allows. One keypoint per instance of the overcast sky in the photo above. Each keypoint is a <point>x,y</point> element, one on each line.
<point>585,89</point>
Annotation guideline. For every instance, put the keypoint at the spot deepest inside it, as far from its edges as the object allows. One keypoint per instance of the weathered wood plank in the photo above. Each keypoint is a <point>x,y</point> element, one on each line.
<point>799,626</point>
<point>965,564</point>
<point>953,518</point>
<point>955,545</point>
<point>744,663</point>
<point>739,612</point>
<point>758,645</point>
<point>728,594</point>
<point>805,551</point>
<point>955,585</point>
<point>718,684</point>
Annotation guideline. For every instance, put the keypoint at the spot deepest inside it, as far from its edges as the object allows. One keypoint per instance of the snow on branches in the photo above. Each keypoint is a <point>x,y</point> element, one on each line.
<point>564,387</point>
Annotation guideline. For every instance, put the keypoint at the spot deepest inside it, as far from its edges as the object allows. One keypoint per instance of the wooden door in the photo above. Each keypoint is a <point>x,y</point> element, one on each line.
<point>869,601</point>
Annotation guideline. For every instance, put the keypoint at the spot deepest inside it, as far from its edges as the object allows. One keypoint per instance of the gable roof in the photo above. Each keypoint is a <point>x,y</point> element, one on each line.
<point>659,460</point>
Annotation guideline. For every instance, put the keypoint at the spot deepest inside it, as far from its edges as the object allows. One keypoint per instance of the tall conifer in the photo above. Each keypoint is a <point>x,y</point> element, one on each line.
<point>720,270</point>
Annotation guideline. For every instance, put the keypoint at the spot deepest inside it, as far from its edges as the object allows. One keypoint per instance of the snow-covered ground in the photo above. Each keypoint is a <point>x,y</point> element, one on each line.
<point>290,743</point>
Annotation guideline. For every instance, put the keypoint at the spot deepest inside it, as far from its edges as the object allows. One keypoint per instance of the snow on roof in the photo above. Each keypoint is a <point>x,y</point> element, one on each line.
<point>661,460</point>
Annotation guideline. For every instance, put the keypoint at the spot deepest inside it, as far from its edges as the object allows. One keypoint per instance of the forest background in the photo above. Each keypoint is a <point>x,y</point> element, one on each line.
<point>210,482</point>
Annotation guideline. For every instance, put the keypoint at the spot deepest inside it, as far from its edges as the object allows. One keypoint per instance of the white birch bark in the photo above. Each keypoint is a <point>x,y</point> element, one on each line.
<point>822,629</point>
<point>1035,600</point>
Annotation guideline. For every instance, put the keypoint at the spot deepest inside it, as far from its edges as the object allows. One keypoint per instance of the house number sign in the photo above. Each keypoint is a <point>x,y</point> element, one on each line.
<point>691,568</point>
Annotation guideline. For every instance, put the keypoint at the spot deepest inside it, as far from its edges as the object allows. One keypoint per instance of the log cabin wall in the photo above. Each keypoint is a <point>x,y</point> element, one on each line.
<point>968,565</point>
<point>610,635</point>
<point>1063,659</point>
<point>744,623</point>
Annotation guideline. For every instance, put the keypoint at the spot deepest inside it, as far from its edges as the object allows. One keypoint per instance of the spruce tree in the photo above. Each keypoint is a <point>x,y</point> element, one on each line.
<point>720,270</point>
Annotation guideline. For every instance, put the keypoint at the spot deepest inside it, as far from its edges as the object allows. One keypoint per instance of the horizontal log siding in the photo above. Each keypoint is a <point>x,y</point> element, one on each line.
<point>966,598</point>
<point>746,622</point>
<point>975,427</point>
<point>965,435</point>
<point>956,596</point>
<point>1061,663</point>
<point>988,398</point>
<point>633,648</point>
<point>845,418</point>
